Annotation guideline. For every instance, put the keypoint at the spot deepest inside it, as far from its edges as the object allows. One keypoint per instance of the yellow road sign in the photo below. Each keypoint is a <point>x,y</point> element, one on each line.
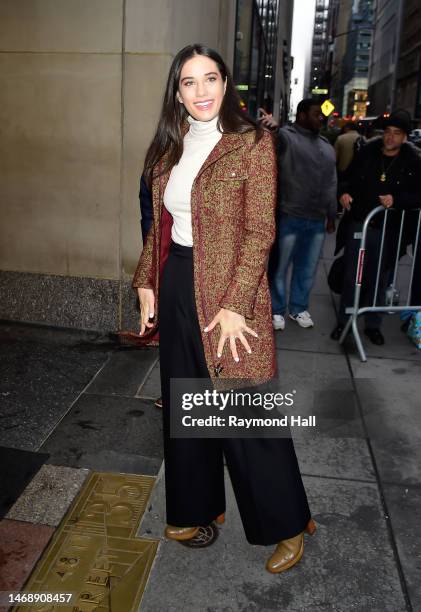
<point>327,108</point>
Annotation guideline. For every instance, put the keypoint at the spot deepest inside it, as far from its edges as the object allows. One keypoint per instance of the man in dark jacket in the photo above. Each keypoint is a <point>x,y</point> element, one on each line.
<point>386,173</point>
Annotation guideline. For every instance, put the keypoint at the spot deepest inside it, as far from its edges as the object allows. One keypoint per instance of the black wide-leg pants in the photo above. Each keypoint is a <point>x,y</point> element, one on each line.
<point>264,472</point>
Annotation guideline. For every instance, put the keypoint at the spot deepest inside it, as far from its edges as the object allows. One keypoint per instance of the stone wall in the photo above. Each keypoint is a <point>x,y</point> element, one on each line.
<point>81,84</point>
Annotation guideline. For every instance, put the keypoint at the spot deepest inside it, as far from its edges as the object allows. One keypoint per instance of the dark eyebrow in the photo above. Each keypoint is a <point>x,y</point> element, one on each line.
<point>206,74</point>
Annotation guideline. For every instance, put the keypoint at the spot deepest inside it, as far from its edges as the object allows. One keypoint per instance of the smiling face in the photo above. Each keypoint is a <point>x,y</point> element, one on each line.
<point>201,88</point>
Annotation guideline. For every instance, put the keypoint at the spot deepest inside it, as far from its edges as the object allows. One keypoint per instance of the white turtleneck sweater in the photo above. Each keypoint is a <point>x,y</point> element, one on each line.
<point>198,143</point>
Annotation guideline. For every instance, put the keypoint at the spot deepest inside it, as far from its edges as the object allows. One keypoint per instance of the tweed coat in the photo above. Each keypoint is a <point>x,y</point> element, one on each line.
<point>233,224</point>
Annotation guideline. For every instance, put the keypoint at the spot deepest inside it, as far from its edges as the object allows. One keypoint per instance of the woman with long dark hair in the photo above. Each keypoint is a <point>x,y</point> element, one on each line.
<point>202,270</point>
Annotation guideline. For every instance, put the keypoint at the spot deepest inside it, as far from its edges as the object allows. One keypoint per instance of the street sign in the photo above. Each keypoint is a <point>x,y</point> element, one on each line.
<point>327,108</point>
<point>319,91</point>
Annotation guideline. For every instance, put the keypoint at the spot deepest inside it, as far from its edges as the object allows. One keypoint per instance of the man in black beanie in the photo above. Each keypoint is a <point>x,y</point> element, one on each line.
<point>386,172</point>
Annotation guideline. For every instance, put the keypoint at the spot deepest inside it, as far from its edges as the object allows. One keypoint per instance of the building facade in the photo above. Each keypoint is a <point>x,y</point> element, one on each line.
<point>320,48</point>
<point>355,63</point>
<point>384,55</point>
<point>262,56</point>
<point>81,87</point>
<point>339,34</point>
<point>350,34</point>
<point>408,86</point>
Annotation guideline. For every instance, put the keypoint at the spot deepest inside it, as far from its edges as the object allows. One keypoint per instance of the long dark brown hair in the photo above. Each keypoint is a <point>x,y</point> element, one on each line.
<point>169,137</point>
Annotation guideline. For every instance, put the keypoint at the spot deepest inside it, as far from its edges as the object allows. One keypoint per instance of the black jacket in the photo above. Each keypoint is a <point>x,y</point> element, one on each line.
<point>361,181</point>
<point>146,212</point>
<point>404,179</point>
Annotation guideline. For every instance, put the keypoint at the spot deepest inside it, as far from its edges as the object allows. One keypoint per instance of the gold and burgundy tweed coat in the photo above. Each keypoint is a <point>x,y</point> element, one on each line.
<point>233,221</point>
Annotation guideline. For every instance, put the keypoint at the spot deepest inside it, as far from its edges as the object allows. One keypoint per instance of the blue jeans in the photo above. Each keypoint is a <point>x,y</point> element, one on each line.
<point>298,242</point>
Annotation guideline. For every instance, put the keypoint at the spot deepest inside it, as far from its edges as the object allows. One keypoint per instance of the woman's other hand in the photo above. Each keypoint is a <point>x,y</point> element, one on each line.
<point>147,308</point>
<point>233,327</point>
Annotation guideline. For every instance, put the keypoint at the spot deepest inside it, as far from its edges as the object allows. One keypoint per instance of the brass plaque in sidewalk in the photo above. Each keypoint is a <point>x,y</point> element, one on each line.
<point>94,553</point>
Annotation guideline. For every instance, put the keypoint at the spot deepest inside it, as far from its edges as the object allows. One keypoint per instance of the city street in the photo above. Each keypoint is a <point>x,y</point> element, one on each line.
<point>184,171</point>
<point>77,404</point>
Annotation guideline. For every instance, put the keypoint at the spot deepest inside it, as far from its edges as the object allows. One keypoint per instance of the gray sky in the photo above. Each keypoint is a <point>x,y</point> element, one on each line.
<point>302,39</point>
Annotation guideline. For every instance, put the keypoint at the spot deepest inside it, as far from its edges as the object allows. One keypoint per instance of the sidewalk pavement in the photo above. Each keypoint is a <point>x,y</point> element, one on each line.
<point>75,402</point>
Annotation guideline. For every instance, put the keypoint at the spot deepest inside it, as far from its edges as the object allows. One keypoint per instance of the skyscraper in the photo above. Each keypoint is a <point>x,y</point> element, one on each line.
<point>262,55</point>
<point>339,33</point>
<point>408,90</point>
<point>355,64</point>
<point>384,55</point>
<point>320,47</point>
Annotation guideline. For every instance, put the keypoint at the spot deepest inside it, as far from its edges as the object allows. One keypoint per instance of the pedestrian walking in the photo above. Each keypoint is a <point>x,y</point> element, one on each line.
<point>202,271</point>
<point>386,172</point>
<point>345,146</point>
<point>306,209</point>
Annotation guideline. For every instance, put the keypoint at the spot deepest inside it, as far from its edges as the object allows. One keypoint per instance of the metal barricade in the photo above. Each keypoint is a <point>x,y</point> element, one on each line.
<point>356,310</point>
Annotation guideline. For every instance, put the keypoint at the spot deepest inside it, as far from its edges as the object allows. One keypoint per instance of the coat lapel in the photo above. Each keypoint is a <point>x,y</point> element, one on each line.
<point>159,186</point>
<point>228,143</point>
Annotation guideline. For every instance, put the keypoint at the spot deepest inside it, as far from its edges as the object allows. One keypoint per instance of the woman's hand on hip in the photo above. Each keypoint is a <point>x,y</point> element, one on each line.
<point>233,327</point>
<point>147,308</point>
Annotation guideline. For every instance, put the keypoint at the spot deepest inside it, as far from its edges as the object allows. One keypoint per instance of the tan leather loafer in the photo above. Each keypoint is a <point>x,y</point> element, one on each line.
<point>289,552</point>
<point>187,533</point>
<point>180,533</point>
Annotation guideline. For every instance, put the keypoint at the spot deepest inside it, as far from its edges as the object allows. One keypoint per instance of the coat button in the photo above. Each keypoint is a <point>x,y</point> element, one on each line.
<point>218,369</point>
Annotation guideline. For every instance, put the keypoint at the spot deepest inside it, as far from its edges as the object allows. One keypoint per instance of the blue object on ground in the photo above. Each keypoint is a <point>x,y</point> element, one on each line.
<point>414,329</point>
